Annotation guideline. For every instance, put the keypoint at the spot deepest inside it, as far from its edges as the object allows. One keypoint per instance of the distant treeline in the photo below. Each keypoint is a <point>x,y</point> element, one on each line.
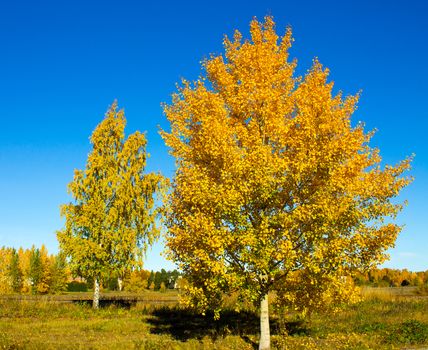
<point>32,271</point>
<point>35,271</point>
<point>392,278</point>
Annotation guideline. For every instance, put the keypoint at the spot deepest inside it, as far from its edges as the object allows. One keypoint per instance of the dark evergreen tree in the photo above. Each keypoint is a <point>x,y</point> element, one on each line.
<point>157,280</point>
<point>36,269</point>
<point>163,278</point>
<point>151,279</point>
<point>59,274</point>
<point>15,272</point>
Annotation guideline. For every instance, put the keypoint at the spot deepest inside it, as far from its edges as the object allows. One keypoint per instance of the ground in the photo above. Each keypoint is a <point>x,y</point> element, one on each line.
<point>387,318</point>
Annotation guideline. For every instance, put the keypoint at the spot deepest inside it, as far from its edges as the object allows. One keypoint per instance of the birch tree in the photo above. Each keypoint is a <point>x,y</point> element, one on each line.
<point>275,189</point>
<point>111,221</point>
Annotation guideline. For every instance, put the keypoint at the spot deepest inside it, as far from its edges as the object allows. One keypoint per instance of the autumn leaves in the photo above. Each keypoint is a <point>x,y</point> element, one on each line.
<point>274,188</point>
<point>113,217</point>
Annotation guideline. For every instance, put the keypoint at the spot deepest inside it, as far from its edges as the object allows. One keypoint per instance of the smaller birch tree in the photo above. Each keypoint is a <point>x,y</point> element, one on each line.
<point>112,219</point>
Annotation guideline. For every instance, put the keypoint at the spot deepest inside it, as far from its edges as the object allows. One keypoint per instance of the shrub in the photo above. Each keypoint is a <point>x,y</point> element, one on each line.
<point>409,332</point>
<point>75,286</point>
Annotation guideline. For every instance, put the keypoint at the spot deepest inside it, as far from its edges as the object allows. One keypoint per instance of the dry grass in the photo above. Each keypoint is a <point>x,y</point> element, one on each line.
<point>385,319</point>
<point>388,293</point>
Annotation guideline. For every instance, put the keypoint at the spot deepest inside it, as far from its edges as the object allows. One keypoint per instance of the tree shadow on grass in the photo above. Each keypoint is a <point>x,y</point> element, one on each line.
<point>184,324</point>
<point>123,304</point>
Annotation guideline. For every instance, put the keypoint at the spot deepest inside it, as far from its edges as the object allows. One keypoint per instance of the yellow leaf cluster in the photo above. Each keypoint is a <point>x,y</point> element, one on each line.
<point>112,219</point>
<point>274,189</point>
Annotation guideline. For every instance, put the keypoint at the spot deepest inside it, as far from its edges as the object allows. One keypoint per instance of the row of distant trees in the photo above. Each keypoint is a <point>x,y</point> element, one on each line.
<point>32,271</point>
<point>391,278</point>
<point>35,271</point>
<point>139,280</point>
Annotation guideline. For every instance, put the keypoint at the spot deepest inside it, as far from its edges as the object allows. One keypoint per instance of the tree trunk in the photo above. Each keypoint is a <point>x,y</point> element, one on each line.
<point>96,300</point>
<point>120,283</point>
<point>264,343</point>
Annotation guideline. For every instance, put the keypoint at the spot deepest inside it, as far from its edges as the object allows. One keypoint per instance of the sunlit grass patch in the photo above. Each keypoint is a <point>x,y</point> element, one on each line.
<point>385,294</point>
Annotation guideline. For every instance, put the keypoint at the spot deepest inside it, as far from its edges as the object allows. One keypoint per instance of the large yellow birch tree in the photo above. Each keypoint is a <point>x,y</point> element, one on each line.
<point>275,189</point>
<point>111,221</point>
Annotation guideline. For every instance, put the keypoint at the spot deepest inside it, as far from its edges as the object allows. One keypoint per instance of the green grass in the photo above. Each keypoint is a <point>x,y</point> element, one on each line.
<point>384,320</point>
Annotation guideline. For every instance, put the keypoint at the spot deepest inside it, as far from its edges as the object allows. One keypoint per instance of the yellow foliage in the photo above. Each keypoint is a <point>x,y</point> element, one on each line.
<point>5,279</point>
<point>275,189</point>
<point>112,219</point>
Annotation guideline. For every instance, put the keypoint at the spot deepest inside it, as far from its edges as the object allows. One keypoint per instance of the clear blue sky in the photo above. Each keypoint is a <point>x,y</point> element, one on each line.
<point>62,63</point>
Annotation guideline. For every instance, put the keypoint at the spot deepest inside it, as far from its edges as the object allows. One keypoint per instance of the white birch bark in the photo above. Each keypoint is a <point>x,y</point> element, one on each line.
<point>120,283</point>
<point>96,300</point>
<point>264,343</point>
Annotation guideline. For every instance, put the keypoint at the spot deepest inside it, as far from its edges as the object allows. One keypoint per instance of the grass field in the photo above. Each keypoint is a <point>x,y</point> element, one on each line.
<point>388,318</point>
